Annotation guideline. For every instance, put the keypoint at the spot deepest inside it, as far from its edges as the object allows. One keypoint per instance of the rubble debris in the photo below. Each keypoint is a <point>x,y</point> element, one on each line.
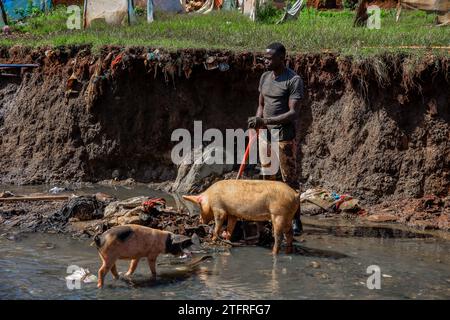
<point>331,201</point>
<point>7,194</point>
<point>382,218</point>
<point>56,190</point>
<point>81,208</point>
<point>83,275</point>
<point>428,212</point>
<point>35,198</point>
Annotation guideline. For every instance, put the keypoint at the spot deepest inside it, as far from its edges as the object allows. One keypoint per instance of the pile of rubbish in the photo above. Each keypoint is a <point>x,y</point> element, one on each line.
<point>331,202</point>
<point>151,212</point>
<point>194,5</point>
<point>116,64</point>
<point>428,212</point>
<point>87,215</point>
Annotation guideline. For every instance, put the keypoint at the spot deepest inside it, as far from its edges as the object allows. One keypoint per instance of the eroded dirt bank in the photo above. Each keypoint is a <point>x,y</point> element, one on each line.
<point>377,128</point>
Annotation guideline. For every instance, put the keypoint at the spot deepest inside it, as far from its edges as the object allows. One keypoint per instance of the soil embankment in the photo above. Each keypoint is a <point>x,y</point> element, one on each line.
<point>377,128</point>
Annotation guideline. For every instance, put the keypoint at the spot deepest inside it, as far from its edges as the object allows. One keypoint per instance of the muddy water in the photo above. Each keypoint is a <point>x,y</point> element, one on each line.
<point>34,267</point>
<point>331,265</point>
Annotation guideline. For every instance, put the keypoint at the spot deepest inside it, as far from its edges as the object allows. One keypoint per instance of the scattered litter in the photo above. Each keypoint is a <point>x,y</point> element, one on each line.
<point>154,204</point>
<point>6,30</point>
<point>7,194</point>
<point>331,201</point>
<point>71,84</point>
<point>82,275</point>
<point>386,276</point>
<point>315,264</point>
<point>81,208</point>
<point>56,190</point>
<point>224,66</point>
<point>428,212</point>
<point>211,63</point>
<point>195,239</point>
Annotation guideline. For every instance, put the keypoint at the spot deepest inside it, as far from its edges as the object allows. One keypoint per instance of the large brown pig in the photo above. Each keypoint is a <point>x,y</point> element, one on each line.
<point>254,200</point>
<point>133,242</point>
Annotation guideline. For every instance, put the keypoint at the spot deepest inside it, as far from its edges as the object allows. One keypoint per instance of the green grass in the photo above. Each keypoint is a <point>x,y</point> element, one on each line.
<point>313,32</point>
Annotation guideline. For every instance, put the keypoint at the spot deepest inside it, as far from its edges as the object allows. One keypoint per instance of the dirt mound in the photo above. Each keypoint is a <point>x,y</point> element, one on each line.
<point>429,212</point>
<point>375,128</point>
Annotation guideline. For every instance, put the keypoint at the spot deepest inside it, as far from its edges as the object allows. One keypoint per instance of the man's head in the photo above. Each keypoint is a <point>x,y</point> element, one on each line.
<point>275,56</point>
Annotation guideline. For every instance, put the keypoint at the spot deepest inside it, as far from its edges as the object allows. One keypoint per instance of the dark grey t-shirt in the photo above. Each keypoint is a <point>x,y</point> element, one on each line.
<point>277,92</point>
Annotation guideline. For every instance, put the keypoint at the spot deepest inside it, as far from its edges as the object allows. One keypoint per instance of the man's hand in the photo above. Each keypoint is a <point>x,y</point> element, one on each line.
<point>256,122</point>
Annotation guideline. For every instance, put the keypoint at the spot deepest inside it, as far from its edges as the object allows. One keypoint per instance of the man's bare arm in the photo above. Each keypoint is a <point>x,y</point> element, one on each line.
<point>260,111</point>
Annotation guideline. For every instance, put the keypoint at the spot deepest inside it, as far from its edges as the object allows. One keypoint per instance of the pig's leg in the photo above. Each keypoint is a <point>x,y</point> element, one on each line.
<point>152,264</point>
<point>132,268</point>
<point>277,222</point>
<point>114,272</point>
<point>231,223</point>
<point>289,234</point>
<point>219,218</point>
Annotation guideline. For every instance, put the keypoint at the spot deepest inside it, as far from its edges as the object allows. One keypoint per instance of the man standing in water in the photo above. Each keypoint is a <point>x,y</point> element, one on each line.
<point>281,91</point>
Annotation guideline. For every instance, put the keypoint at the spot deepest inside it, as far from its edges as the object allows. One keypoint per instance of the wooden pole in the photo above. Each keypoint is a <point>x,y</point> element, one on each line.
<point>36,198</point>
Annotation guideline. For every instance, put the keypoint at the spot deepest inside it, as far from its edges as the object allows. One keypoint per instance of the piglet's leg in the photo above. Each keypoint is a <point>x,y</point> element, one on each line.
<point>152,264</point>
<point>107,265</point>
<point>132,268</point>
<point>114,272</point>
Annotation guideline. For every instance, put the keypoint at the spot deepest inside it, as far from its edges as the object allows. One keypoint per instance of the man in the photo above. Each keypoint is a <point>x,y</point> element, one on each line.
<point>281,91</point>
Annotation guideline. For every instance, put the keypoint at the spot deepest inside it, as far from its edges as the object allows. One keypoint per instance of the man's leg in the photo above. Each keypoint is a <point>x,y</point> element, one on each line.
<point>288,166</point>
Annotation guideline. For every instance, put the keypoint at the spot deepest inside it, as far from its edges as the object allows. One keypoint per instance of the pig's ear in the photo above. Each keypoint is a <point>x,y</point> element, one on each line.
<point>194,199</point>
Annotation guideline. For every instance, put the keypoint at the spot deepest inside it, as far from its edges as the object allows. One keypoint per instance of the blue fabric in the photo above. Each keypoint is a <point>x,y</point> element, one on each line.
<point>13,8</point>
<point>150,17</point>
<point>131,13</point>
<point>167,5</point>
<point>229,5</point>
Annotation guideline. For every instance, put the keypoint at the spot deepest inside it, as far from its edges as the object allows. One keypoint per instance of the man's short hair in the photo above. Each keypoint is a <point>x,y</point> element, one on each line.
<point>278,48</point>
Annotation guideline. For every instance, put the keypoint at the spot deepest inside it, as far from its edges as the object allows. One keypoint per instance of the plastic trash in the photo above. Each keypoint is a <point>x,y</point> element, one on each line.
<point>224,67</point>
<point>56,190</point>
<point>82,275</point>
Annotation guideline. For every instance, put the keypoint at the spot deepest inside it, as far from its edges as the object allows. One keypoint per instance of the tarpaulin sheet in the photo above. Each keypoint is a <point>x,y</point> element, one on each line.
<point>114,12</point>
<point>168,5</point>
<point>17,9</point>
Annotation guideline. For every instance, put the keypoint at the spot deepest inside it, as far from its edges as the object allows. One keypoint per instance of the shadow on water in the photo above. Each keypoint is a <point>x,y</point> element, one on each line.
<point>177,272</point>
<point>161,281</point>
<point>318,253</point>
<point>367,232</point>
